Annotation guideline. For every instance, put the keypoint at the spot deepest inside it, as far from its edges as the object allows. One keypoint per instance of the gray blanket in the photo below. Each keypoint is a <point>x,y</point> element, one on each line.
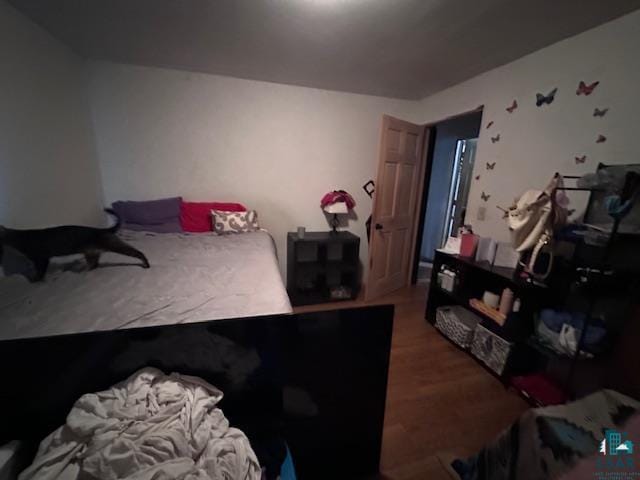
<point>193,277</point>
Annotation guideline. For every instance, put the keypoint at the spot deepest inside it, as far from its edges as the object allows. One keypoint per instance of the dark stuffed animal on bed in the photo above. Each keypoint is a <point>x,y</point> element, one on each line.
<point>41,245</point>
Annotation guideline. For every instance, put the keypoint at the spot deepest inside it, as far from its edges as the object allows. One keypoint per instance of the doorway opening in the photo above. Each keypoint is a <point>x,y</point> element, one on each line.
<point>459,189</point>
<point>451,157</point>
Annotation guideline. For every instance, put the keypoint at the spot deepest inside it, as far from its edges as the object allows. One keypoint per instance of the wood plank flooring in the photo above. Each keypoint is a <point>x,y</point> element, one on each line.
<point>439,400</point>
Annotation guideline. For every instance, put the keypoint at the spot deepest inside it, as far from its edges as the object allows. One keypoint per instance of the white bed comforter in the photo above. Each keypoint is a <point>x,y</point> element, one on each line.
<point>192,278</point>
<point>152,426</point>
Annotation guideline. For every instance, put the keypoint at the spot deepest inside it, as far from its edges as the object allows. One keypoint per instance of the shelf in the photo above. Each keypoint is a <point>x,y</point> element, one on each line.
<point>312,297</point>
<point>324,266</point>
<point>449,294</point>
<point>341,265</point>
<point>487,311</point>
<point>550,352</point>
<point>325,237</point>
<point>505,273</point>
<point>464,302</point>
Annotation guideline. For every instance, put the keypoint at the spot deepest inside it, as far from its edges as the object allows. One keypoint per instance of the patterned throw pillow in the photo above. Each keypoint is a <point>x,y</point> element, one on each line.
<point>234,222</point>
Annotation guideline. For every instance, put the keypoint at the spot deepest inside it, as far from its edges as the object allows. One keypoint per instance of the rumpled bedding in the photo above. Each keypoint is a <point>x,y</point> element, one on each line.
<point>547,442</point>
<point>151,426</point>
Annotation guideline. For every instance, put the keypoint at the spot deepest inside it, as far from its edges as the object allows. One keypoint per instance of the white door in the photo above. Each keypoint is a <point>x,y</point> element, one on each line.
<point>398,189</point>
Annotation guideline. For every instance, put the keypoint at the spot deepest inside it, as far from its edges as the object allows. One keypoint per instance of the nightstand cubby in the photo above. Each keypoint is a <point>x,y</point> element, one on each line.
<point>322,267</point>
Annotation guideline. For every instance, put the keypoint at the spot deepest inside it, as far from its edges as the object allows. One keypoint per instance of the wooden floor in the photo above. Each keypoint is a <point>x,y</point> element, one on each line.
<point>439,400</point>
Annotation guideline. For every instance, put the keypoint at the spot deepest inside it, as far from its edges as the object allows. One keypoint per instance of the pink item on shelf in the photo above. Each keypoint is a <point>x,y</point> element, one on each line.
<point>468,245</point>
<point>540,388</point>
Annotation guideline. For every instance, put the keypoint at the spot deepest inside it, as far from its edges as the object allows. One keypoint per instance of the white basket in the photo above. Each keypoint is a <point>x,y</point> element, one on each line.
<point>457,324</point>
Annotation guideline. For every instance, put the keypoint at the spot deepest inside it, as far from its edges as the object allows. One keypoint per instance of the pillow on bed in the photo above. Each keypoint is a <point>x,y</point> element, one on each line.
<point>160,216</point>
<point>234,222</point>
<point>196,216</point>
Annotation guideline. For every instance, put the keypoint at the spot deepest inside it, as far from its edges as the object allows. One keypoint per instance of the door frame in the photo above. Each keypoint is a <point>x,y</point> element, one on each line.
<point>424,189</point>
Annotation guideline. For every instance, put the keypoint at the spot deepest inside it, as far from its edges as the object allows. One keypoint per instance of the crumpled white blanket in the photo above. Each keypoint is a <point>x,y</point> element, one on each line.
<point>151,426</point>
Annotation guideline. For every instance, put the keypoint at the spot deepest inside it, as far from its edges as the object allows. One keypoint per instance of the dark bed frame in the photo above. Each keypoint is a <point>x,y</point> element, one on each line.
<point>317,380</point>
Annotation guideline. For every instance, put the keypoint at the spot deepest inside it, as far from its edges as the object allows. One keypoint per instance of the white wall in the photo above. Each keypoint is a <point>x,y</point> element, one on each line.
<point>536,142</point>
<point>278,148</point>
<point>275,148</point>
<point>48,168</point>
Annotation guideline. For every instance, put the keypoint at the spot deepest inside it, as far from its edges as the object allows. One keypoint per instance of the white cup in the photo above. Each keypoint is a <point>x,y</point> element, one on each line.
<point>491,299</point>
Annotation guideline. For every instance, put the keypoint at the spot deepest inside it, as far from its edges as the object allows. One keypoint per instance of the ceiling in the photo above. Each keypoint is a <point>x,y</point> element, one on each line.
<point>395,48</point>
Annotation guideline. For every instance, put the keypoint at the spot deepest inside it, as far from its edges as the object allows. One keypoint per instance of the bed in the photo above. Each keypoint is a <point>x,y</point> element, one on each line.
<point>193,277</point>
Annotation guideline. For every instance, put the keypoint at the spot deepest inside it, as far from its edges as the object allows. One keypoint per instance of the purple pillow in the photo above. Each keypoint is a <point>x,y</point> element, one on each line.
<point>160,216</point>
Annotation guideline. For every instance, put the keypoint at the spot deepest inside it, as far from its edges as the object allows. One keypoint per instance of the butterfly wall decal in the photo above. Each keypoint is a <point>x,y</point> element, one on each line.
<point>489,124</point>
<point>600,113</point>
<point>477,177</point>
<point>491,166</point>
<point>513,106</point>
<point>546,99</point>
<point>495,139</point>
<point>601,139</point>
<point>485,196</point>
<point>581,159</point>
<point>584,89</point>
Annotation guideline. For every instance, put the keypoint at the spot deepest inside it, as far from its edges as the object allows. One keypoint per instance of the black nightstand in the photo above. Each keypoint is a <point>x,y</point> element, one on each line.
<point>322,265</point>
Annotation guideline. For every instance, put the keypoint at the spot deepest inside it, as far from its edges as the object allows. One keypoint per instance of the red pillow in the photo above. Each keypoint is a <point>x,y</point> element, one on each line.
<point>196,216</point>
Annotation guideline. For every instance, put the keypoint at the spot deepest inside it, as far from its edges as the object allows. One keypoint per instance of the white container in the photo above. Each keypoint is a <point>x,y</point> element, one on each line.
<point>516,305</point>
<point>491,299</point>
<point>448,281</point>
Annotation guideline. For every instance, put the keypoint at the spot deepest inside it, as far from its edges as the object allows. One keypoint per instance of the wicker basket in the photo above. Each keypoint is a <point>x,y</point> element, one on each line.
<point>457,324</point>
<point>491,349</point>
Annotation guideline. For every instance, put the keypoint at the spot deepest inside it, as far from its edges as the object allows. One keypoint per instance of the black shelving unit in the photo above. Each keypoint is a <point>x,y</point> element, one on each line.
<point>321,263</point>
<point>590,290</point>
<point>592,275</point>
<point>608,274</point>
<point>473,279</point>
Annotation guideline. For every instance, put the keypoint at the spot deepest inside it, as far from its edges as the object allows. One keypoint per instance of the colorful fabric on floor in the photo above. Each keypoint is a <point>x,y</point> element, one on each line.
<point>547,442</point>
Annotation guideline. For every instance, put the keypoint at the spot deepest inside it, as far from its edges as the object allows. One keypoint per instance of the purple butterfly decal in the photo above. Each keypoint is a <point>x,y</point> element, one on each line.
<point>581,159</point>
<point>601,139</point>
